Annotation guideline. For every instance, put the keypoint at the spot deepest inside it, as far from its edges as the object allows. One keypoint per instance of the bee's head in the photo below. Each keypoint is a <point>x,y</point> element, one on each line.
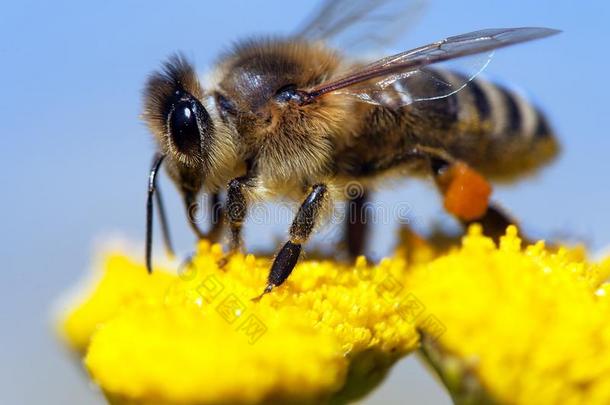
<point>197,146</point>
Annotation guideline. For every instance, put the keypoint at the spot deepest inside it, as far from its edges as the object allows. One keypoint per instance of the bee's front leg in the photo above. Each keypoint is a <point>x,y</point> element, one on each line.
<point>300,231</point>
<point>236,208</point>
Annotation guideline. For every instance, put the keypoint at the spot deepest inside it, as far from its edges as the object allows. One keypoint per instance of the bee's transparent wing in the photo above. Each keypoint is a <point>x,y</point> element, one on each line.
<point>407,74</point>
<point>428,83</point>
<point>361,25</point>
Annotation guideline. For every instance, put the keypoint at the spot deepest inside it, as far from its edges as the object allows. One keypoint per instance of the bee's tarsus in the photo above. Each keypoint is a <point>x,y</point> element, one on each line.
<point>284,262</point>
<point>186,271</point>
<point>267,290</point>
<point>222,262</point>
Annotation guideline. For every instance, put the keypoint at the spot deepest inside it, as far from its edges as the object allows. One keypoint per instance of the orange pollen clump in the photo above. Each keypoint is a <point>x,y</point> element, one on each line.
<point>466,191</point>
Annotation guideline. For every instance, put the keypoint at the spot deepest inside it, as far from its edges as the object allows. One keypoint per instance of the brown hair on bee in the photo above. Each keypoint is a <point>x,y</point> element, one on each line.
<point>265,103</point>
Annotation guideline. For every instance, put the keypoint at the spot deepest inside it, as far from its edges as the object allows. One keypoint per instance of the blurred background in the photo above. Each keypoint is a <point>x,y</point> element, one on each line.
<point>75,155</point>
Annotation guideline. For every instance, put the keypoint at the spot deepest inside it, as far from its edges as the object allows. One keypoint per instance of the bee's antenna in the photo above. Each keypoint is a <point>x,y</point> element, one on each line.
<point>153,190</point>
<point>167,240</point>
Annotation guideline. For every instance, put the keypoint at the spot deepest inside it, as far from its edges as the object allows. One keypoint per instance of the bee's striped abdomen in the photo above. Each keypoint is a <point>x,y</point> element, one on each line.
<point>481,100</point>
<point>499,131</point>
<point>487,126</point>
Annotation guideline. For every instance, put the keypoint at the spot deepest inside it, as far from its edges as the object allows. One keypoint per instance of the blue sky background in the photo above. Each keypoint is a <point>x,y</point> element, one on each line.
<point>74,154</point>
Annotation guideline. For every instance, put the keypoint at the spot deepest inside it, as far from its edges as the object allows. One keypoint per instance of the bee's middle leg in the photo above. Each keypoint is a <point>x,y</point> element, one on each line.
<point>300,231</point>
<point>356,224</point>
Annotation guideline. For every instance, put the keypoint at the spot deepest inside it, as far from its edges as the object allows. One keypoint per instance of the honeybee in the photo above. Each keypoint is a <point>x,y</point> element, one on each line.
<point>295,118</point>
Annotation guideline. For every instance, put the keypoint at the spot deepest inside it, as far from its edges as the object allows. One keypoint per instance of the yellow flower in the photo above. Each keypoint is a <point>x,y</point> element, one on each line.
<point>529,326</point>
<point>331,331</point>
<point>498,324</point>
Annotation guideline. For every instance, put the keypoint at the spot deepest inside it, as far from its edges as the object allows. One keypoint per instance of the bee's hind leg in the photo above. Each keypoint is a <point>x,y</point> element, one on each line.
<point>356,224</point>
<point>494,222</point>
<point>466,195</point>
<point>300,231</point>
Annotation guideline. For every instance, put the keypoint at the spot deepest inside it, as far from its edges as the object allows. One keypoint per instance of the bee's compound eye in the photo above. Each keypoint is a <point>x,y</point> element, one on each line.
<point>183,125</point>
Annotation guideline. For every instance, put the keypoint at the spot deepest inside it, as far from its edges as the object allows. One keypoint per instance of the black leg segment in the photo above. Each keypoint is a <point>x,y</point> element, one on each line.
<point>356,225</point>
<point>306,217</point>
<point>300,231</point>
<point>284,262</point>
<point>494,223</point>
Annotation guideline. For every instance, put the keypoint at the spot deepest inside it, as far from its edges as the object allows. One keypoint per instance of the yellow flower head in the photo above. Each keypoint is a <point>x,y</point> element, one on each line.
<point>530,326</point>
<point>499,324</point>
<point>332,331</point>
